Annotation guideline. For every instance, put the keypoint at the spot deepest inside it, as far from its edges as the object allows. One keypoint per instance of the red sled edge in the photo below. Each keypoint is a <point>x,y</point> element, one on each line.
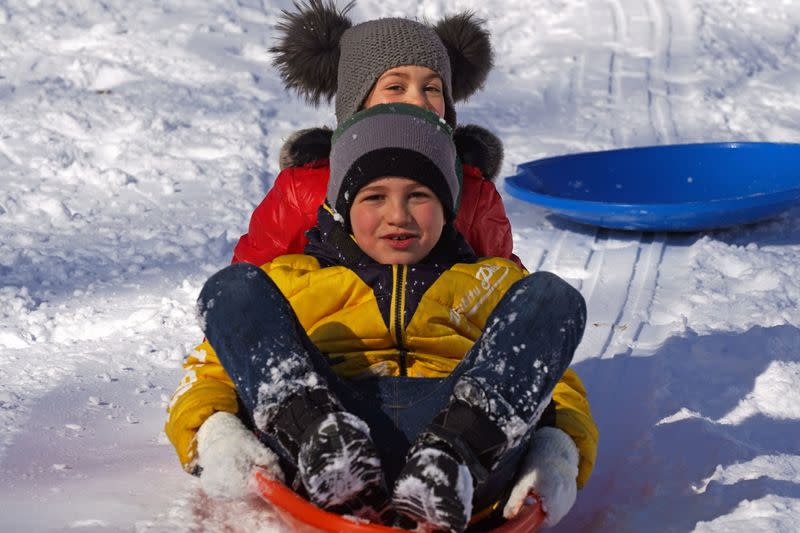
<point>304,517</point>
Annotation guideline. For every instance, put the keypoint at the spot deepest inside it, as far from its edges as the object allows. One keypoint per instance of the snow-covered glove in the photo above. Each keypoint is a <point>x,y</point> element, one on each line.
<point>227,452</point>
<point>549,473</point>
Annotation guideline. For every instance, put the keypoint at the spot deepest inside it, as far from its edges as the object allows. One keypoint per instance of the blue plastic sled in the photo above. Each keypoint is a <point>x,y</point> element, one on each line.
<point>683,187</point>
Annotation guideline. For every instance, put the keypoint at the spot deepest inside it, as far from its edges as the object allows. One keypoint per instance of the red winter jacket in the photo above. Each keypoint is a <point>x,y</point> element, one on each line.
<point>278,225</point>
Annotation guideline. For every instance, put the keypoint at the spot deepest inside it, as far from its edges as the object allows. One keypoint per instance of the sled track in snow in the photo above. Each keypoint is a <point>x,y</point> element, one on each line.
<point>618,274</point>
<point>625,74</point>
<point>639,59</point>
<point>614,87</point>
<point>658,89</point>
<point>631,69</point>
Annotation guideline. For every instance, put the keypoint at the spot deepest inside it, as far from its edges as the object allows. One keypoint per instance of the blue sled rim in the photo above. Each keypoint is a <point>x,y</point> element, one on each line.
<point>682,187</point>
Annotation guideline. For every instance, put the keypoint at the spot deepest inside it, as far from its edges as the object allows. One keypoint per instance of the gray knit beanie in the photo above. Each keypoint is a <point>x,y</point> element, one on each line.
<point>393,140</point>
<point>321,54</point>
<point>371,48</point>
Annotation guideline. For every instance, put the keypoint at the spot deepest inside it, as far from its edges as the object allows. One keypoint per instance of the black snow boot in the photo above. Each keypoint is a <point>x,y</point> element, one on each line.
<point>447,462</point>
<point>337,462</point>
<point>434,489</point>
<point>340,467</point>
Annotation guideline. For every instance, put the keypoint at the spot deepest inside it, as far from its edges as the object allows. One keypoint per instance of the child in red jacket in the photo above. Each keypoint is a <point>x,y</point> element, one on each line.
<point>322,55</point>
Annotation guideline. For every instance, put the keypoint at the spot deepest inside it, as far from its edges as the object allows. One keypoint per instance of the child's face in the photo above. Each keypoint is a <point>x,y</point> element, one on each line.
<point>410,84</point>
<point>396,221</point>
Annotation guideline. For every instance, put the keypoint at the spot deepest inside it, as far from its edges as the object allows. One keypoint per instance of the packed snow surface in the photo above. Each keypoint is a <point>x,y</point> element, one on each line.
<point>137,136</point>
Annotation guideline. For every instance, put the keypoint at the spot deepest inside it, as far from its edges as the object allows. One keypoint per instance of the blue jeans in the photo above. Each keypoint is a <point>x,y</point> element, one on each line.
<point>509,373</point>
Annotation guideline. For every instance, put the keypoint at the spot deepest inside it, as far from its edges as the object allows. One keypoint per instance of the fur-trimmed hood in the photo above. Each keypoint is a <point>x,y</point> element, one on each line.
<point>476,146</point>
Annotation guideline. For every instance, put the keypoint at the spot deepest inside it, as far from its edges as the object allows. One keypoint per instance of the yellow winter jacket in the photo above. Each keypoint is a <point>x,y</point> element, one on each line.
<point>415,321</point>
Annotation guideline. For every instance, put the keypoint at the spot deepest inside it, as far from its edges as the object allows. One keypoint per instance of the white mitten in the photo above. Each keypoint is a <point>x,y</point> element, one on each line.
<point>549,472</point>
<point>227,452</point>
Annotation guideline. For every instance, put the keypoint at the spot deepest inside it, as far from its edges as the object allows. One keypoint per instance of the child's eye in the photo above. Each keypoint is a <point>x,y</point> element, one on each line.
<point>433,89</point>
<point>420,195</point>
<point>393,88</point>
<point>372,198</point>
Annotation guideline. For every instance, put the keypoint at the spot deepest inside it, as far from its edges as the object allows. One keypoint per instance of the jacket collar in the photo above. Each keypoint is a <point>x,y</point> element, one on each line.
<point>332,245</point>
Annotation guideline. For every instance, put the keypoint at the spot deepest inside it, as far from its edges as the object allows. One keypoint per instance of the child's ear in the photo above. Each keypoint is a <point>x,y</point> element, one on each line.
<point>307,53</point>
<point>470,51</point>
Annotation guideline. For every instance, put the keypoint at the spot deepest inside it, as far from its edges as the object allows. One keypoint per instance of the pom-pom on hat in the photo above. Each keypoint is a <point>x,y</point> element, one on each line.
<point>320,54</point>
<point>393,140</point>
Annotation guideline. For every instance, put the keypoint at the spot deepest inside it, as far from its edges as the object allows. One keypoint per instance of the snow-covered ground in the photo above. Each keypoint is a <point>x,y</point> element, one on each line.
<point>137,136</point>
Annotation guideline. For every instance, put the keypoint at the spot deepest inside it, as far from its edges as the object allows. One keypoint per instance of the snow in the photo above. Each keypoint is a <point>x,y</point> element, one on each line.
<point>137,137</point>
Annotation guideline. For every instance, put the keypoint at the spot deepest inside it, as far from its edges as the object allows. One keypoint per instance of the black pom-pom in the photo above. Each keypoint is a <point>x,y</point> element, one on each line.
<point>470,51</point>
<point>480,148</point>
<point>307,53</point>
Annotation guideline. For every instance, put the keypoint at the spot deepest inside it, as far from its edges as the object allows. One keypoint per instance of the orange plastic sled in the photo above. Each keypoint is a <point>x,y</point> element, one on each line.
<point>304,517</point>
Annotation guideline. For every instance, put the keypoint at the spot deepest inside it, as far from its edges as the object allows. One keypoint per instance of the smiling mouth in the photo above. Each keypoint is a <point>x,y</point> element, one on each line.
<point>400,242</point>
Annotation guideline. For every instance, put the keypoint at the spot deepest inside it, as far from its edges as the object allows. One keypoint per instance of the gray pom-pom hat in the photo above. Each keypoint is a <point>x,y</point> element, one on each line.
<point>371,48</point>
<point>321,54</point>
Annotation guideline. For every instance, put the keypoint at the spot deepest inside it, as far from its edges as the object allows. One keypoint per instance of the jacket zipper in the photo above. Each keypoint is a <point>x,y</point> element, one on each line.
<point>399,272</point>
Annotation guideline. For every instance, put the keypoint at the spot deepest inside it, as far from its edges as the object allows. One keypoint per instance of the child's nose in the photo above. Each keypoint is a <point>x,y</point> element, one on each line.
<point>418,99</point>
<point>397,213</point>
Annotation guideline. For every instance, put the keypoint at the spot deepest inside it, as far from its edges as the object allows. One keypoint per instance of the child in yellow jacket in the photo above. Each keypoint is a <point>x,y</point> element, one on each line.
<point>388,372</point>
